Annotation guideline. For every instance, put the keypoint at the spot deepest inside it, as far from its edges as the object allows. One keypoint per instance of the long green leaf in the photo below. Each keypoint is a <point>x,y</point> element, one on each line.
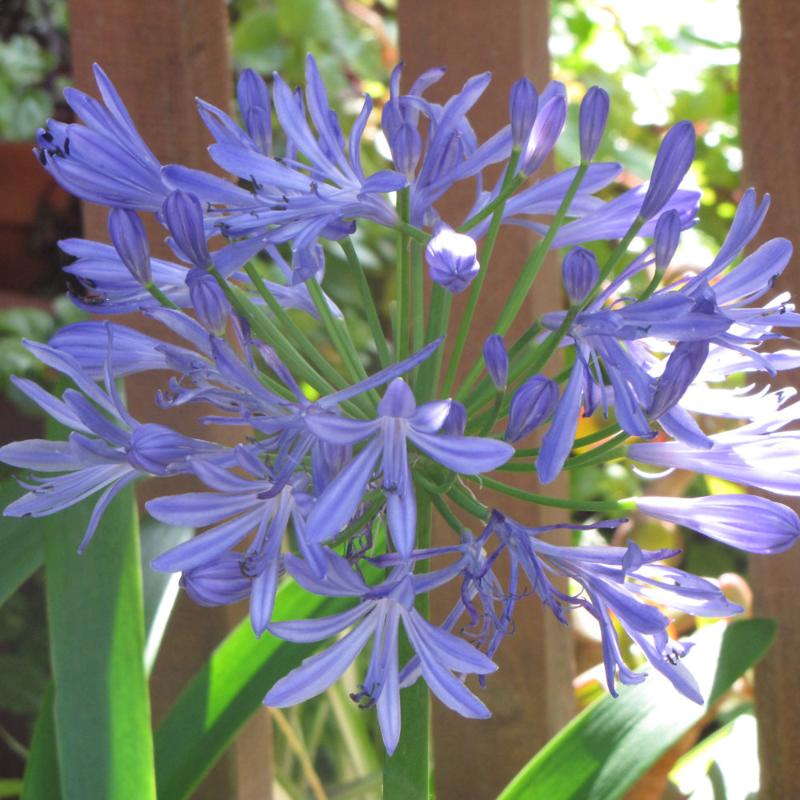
<point>42,781</point>
<point>21,543</point>
<point>160,591</point>
<point>226,691</point>
<point>607,748</point>
<point>94,606</point>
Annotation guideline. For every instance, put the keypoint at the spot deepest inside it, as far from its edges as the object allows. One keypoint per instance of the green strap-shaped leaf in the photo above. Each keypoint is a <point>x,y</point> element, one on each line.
<point>160,590</point>
<point>41,769</point>
<point>95,619</point>
<point>603,752</point>
<point>21,544</point>
<point>226,691</point>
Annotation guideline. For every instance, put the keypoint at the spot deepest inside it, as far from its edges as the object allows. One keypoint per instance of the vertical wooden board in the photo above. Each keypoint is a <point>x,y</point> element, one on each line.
<point>161,55</point>
<point>770,119</point>
<point>530,696</point>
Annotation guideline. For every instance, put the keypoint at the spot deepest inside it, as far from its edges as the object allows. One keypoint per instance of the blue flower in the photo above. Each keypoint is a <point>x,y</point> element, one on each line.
<point>593,117</point>
<point>530,406</point>
<point>673,160</point>
<point>105,160</point>
<point>399,421</point>
<point>496,359</point>
<point>758,454</point>
<point>751,523</point>
<point>237,507</point>
<point>378,616</point>
<point>107,449</point>
<point>130,241</point>
<point>622,581</point>
<point>289,200</point>
<point>452,259</point>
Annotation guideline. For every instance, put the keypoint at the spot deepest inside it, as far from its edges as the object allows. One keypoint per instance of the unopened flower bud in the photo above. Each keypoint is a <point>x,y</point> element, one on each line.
<point>219,582</point>
<point>130,241</point>
<point>452,259</point>
<point>455,422</point>
<point>251,92</point>
<point>208,301</point>
<point>406,146</point>
<point>673,160</point>
<point>259,126</point>
<point>183,215</point>
<point>545,132</point>
<point>592,121</point>
<point>682,367</point>
<point>496,359</point>
<point>580,273</point>
<point>523,103</point>
<point>307,262</point>
<point>531,405</point>
<point>666,237</point>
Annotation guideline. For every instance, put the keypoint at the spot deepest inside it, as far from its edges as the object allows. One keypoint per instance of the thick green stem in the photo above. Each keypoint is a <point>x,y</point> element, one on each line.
<point>418,270</point>
<point>402,280</point>
<point>614,259</point>
<point>529,273</point>
<point>368,302</point>
<point>536,259</point>
<point>305,345</point>
<point>487,249</point>
<point>438,317</point>
<point>270,333</point>
<point>161,297</point>
<point>545,500</point>
<point>584,441</point>
<point>339,334</point>
<point>407,773</point>
<point>508,188</point>
<point>483,391</point>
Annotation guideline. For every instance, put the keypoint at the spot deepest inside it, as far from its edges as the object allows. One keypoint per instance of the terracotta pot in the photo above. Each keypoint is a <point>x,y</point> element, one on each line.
<point>34,213</point>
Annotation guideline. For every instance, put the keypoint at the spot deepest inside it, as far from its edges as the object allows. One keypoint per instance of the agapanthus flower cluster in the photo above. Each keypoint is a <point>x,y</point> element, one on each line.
<point>335,456</point>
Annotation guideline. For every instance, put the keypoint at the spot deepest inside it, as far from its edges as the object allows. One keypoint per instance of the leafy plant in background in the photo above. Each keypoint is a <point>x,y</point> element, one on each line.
<point>32,65</point>
<point>354,476</point>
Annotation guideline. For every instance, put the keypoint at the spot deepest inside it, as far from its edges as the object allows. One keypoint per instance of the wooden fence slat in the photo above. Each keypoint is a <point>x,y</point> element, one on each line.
<point>531,695</point>
<point>770,118</point>
<point>161,55</point>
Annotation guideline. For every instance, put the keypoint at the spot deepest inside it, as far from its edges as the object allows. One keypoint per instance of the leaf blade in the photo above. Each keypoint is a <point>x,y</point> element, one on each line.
<point>603,751</point>
<point>96,627</point>
<point>21,543</point>
<point>226,691</point>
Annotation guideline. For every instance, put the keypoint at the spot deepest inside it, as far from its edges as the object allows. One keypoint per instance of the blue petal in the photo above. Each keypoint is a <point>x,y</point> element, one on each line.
<point>340,430</point>
<point>41,454</point>
<point>558,441</point>
<point>317,629</point>
<point>401,514</point>
<point>262,596</point>
<point>208,545</point>
<point>320,671</point>
<point>197,509</point>
<point>389,698</point>
<point>338,503</point>
<point>383,376</point>
<point>429,417</point>
<point>468,455</point>
<point>398,400</point>
<point>451,691</point>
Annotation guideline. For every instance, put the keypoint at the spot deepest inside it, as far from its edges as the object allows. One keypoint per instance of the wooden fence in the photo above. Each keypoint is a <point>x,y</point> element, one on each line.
<point>162,54</point>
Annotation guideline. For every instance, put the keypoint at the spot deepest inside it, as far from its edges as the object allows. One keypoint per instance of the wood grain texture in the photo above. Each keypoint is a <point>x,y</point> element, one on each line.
<point>531,695</point>
<point>161,55</point>
<point>770,120</point>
